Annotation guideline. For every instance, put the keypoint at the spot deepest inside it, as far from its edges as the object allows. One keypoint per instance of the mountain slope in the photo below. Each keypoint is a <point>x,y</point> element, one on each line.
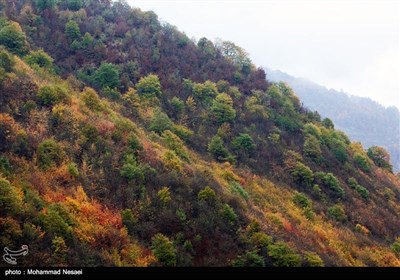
<point>361,118</point>
<point>125,144</point>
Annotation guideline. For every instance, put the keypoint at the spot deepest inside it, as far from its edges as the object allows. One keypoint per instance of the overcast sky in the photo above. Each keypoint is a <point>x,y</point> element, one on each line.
<point>348,45</point>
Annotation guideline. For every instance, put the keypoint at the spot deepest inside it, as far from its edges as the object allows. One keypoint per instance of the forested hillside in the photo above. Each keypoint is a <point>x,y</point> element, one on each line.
<point>361,118</point>
<point>124,143</point>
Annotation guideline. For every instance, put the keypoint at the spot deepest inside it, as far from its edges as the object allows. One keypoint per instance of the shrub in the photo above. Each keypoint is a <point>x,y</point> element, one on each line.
<point>205,92</point>
<point>283,256</point>
<point>175,144</point>
<point>45,4</point>
<point>302,200</point>
<point>328,123</point>
<point>55,224</point>
<point>261,240</point>
<point>363,192</point>
<point>182,131</point>
<point>72,30</point>
<point>360,189</point>
<point>163,249</point>
<point>217,148</point>
<point>39,58</point>
<point>131,169</point>
<point>107,75</point>
<point>237,188</point>
<point>73,169</point>
<point>312,148</point>
<point>7,62</point>
<point>249,259</point>
<point>149,86</point>
<point>74,5</point>
<point>362,162</point>
<point>228,214</point>
<point>207,194</point>
<point>13,38</point>
<point>352,182</point>
<point>312,259</point>
<point>128,219</point>
<point>50,95</point>
<point>5,166</point>
<point>91,99</point>
<point>380,157</point>
<point>171,161</point>
<point>303,174</point>
<point>49,153</point>
<point>337,213</point>
<point>164,195</point>
<point>10,201</point>
<point>160,122</point>
<point>396,246</point>
<point>243,142</point>
<point>178,105</point>
<point>222,108</point>
<point>60,249</point>
<point>330,181</point>
<point>134,143</point>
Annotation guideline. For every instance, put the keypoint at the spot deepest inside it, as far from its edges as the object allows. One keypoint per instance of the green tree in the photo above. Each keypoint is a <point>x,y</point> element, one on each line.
<point>313,260</point>
<point>303,174</point>
<point>6,61</point>
<point>163,249</point>
<point>337,213</point>
<point>178,105</point>
<point>283,256</point>
<point>91,99</point>
<point>72,30</point>
<point>45,4</point>
<point>13,38</point>
<point>328,123</point>
<point>362,162</point>
<point>107,76</point>
<point>330,181</point>
<point>50,95</point>
<point>312,148</point>
<point>55,223</point>
<point>149,86</point>
<point>207,194</point>
<point>39,58</point>
<point>238,56</point>
<point>380,157</point>
<point>128,219</point>
<point>396,246</point>
<point>49,153</point>
<point>222,108</point>
<point>302,200</point>
<point>249,259</point>
<point>60,249</point>
<point>132,170</point>
<point>205,92</point>
<point>243,142</point>
<point>74,5</point>
<point>10,201</point>
<point>164,195</point>
<point>160,122</point>
<point>217,148</point>
<point>228,214</point>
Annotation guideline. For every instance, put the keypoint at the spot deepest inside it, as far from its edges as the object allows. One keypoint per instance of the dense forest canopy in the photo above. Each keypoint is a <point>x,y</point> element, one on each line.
<point>124,143</point>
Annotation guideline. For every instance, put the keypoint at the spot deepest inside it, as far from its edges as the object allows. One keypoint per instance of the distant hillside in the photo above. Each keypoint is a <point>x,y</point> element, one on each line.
<point>361,118</point>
